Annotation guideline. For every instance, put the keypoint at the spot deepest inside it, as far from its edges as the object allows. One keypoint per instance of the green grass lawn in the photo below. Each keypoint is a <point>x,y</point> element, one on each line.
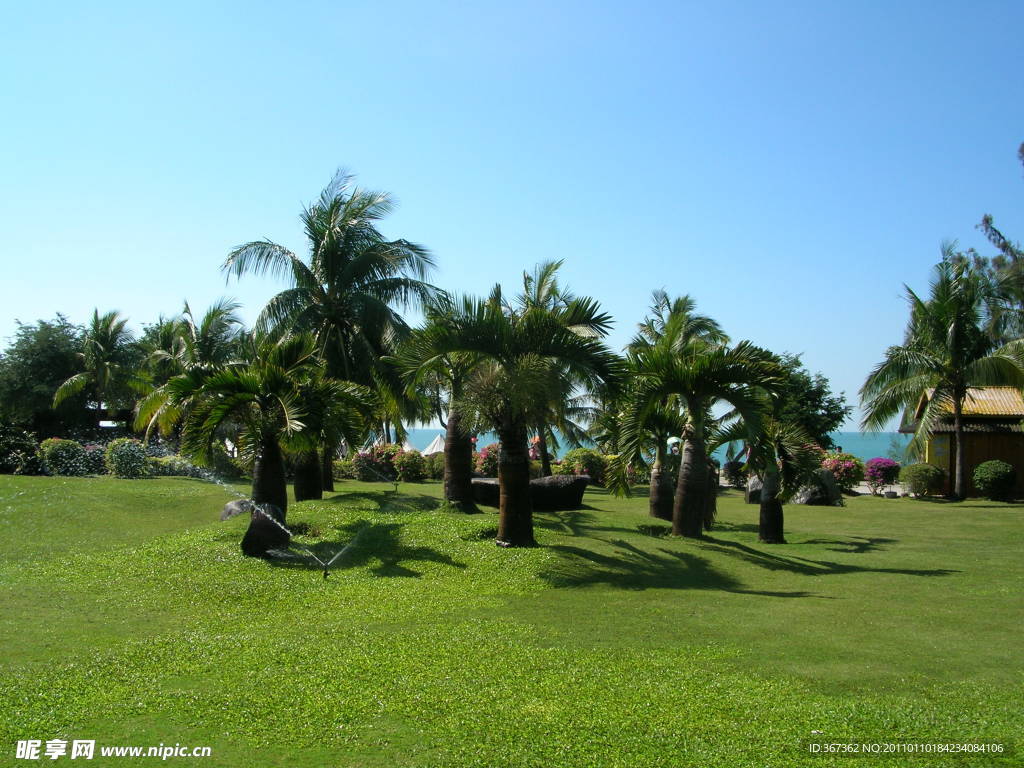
<point>129,616</point>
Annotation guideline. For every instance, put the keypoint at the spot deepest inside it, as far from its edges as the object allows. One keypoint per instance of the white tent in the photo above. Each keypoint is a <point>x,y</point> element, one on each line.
<point>436,446</point>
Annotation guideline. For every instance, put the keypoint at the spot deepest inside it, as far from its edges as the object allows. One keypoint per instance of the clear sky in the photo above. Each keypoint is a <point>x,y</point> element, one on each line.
<point>789,164</point>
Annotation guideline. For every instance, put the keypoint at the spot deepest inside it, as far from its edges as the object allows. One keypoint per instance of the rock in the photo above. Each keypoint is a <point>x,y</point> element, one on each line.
<point>548,493</point>
<point>824,492</point>
<point>266,531</point>
<point>558,492</point>
<point>753,493</point>
<point>236,507</point>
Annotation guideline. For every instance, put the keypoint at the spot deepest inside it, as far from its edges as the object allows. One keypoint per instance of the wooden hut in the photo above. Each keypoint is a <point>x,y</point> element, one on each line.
<point>993,419</point>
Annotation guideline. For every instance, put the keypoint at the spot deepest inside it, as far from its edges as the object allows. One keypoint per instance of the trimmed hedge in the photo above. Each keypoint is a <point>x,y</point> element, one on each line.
<point>410,466</point>
<point>126,457</point>
<point>63,457</point>
<point>995,480</point>
<point>922,479</point>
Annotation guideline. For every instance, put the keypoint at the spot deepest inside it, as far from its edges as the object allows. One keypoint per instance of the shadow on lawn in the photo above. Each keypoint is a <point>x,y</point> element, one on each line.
<point>386,500</point>
<point>858,544</point>
<point>804,565</point>
<point>370,541</point>
<point>630,567</point>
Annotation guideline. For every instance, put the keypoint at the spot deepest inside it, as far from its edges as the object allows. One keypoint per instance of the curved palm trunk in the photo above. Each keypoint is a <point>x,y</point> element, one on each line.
<point>327,468</point>
<point>308,476</point>
<point>770,525</point>
<point>692,489</point>
<point>660,504</point>
<point>268,480</point>
<point>515,508</point>
<point>542,449</point>
<point>458,465</point>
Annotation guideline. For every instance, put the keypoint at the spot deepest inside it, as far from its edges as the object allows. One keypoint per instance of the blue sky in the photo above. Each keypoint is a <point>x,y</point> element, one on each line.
<point>790,165</point>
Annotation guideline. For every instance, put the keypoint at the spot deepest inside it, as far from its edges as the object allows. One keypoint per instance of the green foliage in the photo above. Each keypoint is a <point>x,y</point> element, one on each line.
<point>486,462</point>
<point>95,458</point>
<point>734,473</point>
<point>435,466</point>
<point>344,469</point>
<point>410,466</point>
<point>847,469</point>
<point>922,479</point>
<point>806,400</point>
<point>584,461</point>
<point>41,357</point>
<point>995,480</point>
<point>63,457</point>
<point>126,458</point>
<point>370,468</point>
<point>16,445</point>
<point>173,466</point>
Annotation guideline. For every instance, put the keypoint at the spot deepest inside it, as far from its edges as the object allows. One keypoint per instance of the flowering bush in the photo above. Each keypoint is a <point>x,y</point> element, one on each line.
<point>369,468</point>
<point>847,469</point>
<point>879,472</point>
<point>583,461</point>
<point>126,457</point>
<point>62,457</point>
<point>487,460</point>
<point>410,466</point>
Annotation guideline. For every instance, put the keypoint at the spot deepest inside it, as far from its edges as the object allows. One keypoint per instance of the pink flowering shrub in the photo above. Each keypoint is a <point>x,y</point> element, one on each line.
<point>487,461</point>
<point>847,469</point>
<point>879,472</point>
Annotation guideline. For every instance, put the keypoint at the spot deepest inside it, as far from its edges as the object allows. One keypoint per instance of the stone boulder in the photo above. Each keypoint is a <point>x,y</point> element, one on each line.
<point>752,495</point>
<point>266,531</point>
<point>823,492</point>
<point>553,493</point>
<point>558,492</point>
<point>236,507</point>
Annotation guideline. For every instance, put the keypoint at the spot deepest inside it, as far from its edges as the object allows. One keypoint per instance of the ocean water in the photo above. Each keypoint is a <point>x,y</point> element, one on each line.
<point>863,445</point>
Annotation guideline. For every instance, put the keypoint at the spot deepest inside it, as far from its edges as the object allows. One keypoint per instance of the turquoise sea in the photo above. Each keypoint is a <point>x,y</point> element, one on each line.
<point>863,445</point>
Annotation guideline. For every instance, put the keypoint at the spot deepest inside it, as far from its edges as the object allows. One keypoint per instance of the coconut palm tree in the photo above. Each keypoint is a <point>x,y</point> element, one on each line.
<point>947,348</point>
<point>516,351</point>
<point>350,288</point>
<point>108,358</point>
<point>699,375</point>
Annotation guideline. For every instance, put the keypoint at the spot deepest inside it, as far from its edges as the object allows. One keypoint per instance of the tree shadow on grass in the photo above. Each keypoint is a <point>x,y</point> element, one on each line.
<point>855,545</point>
<point>387,500</point>
<point>630,567</point>
<point>804,565</point>
<point>365,542</point>
<point>577,522</point>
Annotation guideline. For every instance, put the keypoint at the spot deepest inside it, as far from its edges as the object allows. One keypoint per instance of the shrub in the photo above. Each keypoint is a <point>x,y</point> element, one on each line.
<point>584,461</point>
<point>847,469</point>
<point>995,480</point>
<point>735,474</point>
<point>922,479</point>
<point>126,457</point>
<point>879,472</point>
<point>435,466</point>
<point>62,457</point>
<point>371,469</point>
<point>386,454</point>
<point>95,458</point>
<point>410,466</point>
<point>16,445</point>
<point>487,461</point>
<point>173,466</point>
<point>344,469</point>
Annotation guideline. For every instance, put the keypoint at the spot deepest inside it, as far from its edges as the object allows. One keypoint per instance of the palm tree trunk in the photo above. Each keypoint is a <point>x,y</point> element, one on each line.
<point>542,448</point>
<point>268,480</point>
<point>770,526</point>
<point>692,488</point>
<point>308,472</point>
<point>515,507</point>
<point>960,471</point>
<point>660,504</point>
<point>458,465</point>
<point>327,467</point>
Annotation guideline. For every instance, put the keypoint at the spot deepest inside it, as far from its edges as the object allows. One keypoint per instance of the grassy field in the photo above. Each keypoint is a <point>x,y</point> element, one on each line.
<point>129,616</point>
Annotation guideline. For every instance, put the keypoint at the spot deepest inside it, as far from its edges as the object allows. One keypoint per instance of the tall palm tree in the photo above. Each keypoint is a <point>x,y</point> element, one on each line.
<point>517,352</point>
<point>947,348</point>
<point>699,375</point>
<point>108,359</point>
<point>349,290</point>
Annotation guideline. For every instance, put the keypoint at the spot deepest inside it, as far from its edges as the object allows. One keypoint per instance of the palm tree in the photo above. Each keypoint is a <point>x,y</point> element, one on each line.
<point>347,292</point>
<point>108,358</point>
<point>187,345</point>
<point>516,351</point>
<point>699,375</point>
<point>947,348</point>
